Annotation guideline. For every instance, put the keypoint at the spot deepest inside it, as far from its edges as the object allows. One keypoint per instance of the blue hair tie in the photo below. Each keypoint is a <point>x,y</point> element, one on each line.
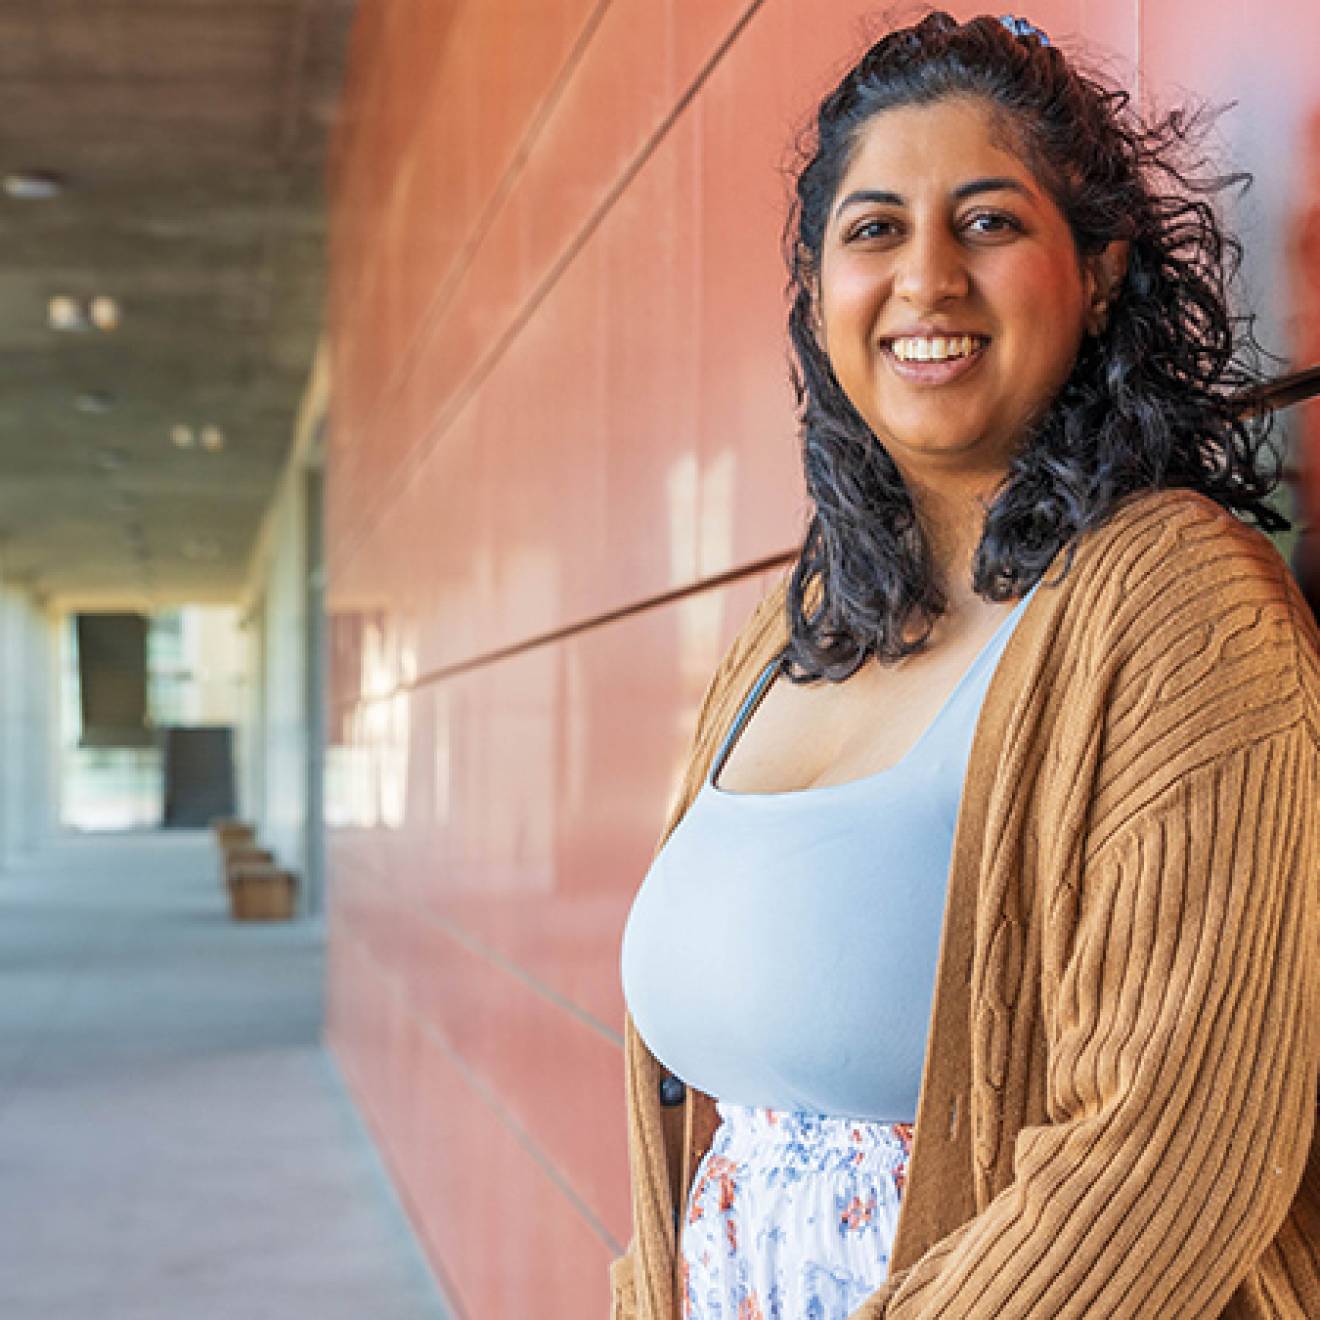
<point>1019,27</point>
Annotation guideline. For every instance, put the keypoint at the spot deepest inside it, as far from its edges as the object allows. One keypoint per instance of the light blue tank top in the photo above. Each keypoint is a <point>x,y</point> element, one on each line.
<point>781,950</point>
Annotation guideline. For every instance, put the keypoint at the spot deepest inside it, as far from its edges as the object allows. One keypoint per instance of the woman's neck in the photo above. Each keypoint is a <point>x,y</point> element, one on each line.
<point>952,521</point>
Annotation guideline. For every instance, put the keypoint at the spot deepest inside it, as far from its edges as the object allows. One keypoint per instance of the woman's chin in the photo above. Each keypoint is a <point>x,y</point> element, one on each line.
<point>951,448</point>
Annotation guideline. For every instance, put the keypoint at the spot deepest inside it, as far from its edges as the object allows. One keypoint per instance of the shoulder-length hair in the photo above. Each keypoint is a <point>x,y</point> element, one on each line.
<point>1152,401</point>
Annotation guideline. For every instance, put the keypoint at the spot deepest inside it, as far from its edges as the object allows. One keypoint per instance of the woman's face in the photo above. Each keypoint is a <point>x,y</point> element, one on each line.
<point>941,245</point>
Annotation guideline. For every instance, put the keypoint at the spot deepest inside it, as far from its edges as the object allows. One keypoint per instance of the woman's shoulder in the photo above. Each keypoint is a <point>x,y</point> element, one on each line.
<point>1180,547</point>
<point>1184,526</point>
<point>1177,587</point>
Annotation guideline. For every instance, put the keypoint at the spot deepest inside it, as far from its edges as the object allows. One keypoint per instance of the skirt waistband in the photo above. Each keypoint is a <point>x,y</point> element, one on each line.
<point>793,1139</point>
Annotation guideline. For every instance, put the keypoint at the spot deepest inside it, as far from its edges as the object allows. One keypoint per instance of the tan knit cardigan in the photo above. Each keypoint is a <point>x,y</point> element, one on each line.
<point>1118,1107</point>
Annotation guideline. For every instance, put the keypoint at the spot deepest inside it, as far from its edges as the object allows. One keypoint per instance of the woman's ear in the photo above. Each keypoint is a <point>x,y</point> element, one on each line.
<point>1104,273</point>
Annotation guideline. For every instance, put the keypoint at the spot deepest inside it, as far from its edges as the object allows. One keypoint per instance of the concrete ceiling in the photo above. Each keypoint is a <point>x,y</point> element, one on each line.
<point>192,137</point>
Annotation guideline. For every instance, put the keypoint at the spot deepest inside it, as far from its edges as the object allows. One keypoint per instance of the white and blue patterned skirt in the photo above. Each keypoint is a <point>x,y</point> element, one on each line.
<point>791,1216</point>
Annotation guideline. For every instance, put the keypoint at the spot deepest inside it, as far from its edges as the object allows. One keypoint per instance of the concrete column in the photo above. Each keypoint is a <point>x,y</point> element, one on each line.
<point>277,750</point>
<point>284,814</point>
<point>282,736</point>
<point>27,725</point>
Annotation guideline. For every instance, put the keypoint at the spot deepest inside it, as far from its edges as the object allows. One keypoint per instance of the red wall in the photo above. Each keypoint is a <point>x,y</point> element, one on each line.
<point>559,394</point>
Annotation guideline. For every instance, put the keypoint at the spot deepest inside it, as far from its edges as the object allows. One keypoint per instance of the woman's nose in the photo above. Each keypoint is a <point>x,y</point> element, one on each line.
<point>930,270</point>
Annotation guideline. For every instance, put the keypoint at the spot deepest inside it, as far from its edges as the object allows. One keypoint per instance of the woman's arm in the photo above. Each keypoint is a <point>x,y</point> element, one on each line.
<point>1183,1046</point>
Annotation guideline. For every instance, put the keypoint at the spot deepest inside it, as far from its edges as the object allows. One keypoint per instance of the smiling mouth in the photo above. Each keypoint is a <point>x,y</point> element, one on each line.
<point>934,361</point>
<point>934,348</point>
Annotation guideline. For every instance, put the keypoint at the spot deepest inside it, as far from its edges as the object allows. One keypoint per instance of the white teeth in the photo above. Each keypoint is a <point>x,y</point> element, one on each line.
<point>935,349</point>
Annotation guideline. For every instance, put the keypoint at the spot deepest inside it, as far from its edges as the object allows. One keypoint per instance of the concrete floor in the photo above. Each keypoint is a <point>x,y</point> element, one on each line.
<point>175,1144</point>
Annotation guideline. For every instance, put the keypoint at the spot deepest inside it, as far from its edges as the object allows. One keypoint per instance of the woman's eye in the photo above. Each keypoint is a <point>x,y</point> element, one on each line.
<point>870,229</point>
<point>992,222</point>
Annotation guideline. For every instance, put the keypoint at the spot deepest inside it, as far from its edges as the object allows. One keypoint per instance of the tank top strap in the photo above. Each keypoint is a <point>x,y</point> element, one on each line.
<point>749,704</point>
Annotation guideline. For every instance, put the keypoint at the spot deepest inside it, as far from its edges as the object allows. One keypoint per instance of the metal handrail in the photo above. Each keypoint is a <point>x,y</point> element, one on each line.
<point>1282,391</point>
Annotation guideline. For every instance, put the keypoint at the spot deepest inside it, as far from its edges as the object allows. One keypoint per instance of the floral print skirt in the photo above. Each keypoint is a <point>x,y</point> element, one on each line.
<point>791,1216</point>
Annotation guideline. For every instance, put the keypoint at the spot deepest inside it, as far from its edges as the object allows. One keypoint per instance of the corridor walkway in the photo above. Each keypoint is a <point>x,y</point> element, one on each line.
<point>174,1142</point>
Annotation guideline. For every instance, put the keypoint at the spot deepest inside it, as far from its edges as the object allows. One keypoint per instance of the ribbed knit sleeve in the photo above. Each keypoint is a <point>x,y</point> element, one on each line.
<point>1181,1080</point>
<point>1179,993</point>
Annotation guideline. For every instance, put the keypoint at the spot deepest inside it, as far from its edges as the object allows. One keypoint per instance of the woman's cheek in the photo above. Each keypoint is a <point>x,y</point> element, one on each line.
<point>852,292</point>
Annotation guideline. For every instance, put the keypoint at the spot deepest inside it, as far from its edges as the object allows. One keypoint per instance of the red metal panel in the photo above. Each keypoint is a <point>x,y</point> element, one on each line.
<point>555,1073</point>
<point>513,1238</point>
<point>649,266</point>
<point>751,483</point>
<point>423,146</point>
<point>624,86</point>
<point>503,1230</point>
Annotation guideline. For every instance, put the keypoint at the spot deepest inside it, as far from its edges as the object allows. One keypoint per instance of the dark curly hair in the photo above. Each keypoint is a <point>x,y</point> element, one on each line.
<point>1153,401</point>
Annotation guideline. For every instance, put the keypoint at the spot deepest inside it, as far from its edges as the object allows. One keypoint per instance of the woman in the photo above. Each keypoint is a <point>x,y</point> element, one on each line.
<point>976,973</point>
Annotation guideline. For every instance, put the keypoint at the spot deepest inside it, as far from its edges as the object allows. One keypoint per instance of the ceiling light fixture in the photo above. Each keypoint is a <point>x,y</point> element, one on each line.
<point>213,439</point>
<point>183,437</point>
<point>34,185</point>
<point>65,313</point>
<point>104,312</point>
<point>68,313</point>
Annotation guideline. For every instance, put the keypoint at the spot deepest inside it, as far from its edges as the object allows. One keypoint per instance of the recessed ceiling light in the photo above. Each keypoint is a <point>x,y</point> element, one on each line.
<point>183,437</point>
<point>213,439</point>
<point>94,402</point>
<point>103,312</point>
<point>34,185</point>
<point>65,313</point>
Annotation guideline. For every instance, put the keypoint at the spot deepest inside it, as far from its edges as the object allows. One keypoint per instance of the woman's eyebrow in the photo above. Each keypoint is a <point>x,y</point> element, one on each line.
<point>960,193</point>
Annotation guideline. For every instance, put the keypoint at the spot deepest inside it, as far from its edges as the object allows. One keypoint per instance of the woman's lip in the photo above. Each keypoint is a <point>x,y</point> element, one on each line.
<point>933,373</point>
